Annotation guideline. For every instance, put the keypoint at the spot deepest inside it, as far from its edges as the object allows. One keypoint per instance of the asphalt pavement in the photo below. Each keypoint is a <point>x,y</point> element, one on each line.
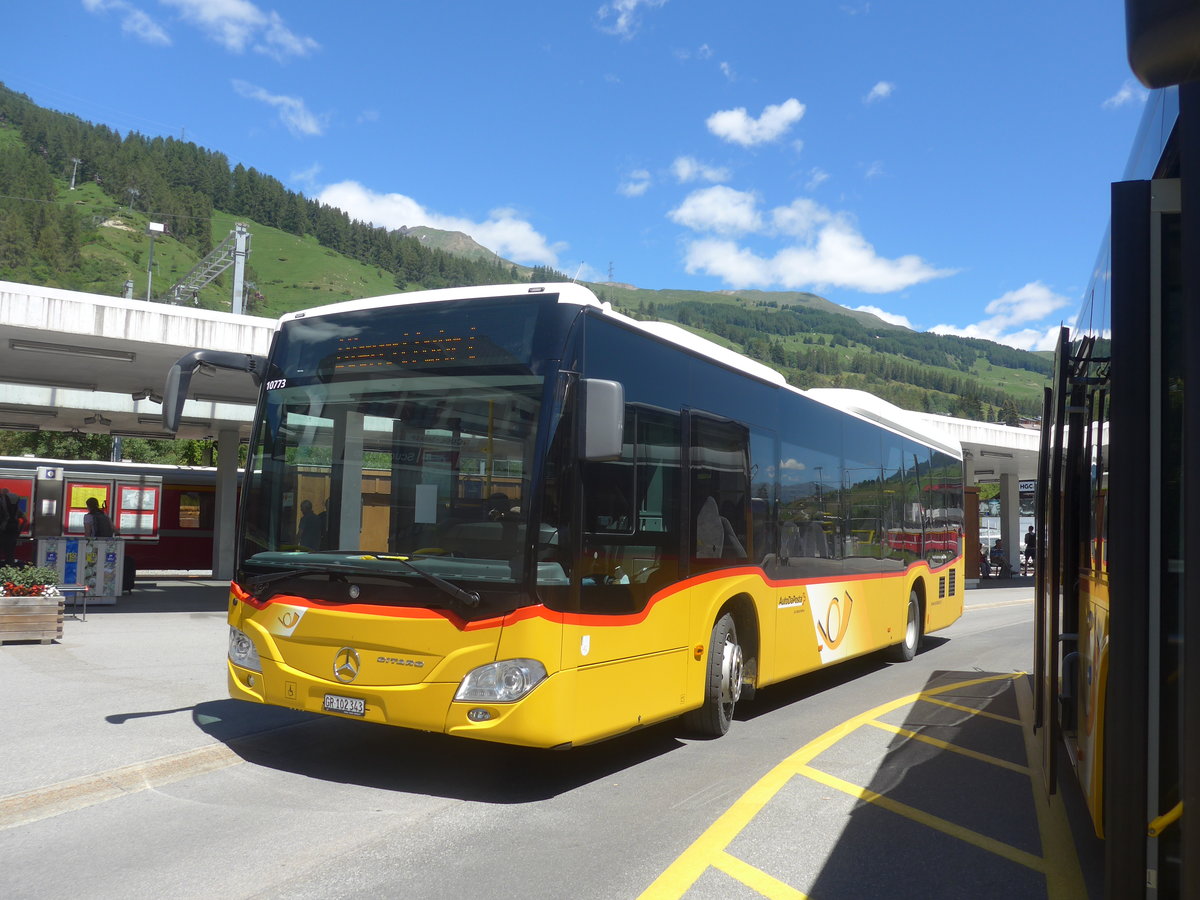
<point>136,694</point>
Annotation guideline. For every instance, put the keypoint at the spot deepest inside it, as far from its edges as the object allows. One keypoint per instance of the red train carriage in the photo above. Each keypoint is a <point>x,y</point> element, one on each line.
<point>165,513</point>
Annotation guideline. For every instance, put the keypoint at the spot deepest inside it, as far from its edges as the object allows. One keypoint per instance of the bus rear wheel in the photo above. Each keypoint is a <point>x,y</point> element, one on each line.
<point>907,648</point>
<point>722,684</point>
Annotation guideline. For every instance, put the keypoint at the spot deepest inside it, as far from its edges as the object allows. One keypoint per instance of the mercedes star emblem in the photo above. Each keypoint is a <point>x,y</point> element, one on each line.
<point>345,665</point>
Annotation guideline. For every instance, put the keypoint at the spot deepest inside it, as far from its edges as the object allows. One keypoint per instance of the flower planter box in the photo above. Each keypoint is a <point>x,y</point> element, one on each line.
<point>38,618</point>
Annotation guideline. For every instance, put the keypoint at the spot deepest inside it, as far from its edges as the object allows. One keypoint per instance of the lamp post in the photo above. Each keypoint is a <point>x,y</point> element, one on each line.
<point>152,228</point>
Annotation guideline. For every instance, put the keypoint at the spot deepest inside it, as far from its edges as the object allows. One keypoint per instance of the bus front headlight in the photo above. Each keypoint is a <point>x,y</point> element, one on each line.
<point>242,651</point>
<point>501,682</point>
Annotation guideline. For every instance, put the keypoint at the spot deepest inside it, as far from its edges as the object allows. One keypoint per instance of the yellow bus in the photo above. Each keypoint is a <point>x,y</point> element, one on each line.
<point>513,514</point>
<point>1116,706</point>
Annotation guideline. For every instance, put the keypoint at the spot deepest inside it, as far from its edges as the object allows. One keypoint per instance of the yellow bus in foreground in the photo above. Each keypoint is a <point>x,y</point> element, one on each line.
<point>1117,709</point>
<point>509,513</point>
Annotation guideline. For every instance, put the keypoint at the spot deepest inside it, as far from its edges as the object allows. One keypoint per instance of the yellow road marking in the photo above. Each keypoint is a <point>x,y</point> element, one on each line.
<point>953,748</point>
<point>709,848</point>
<point>756,879</point>
<point>943,825</point>
<point>682,874</point>
<point>1008,720</point>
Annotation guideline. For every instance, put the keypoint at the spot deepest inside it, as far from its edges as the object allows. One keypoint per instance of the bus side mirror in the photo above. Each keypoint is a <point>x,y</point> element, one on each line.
<point>180,377</point>
<point>603,419</point>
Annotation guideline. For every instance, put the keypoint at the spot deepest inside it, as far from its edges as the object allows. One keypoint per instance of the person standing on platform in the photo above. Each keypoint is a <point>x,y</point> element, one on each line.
<point>312,527</point>
<point>10,526</point>
<point>96,523</point>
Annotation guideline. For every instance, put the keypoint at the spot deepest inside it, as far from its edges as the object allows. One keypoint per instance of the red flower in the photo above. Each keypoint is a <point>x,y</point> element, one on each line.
<point>23,590</point>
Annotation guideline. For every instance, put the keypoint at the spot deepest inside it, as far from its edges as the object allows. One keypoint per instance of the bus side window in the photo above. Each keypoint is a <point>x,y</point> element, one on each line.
<point>631,517</point>
<point>720,483</point>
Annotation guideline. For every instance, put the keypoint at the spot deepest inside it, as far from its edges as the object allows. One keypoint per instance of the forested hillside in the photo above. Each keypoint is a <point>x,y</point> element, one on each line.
<point>42,238</point>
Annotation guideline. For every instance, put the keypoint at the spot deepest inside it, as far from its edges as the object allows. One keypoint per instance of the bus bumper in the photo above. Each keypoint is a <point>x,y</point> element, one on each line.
<point>543,718</point>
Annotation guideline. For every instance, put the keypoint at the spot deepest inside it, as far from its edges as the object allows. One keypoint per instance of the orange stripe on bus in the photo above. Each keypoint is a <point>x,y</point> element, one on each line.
<point>539,611</point>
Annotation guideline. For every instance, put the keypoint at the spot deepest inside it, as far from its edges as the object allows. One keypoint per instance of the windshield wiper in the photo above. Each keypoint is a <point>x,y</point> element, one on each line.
<point>259,583</point>
<point>470,598</point>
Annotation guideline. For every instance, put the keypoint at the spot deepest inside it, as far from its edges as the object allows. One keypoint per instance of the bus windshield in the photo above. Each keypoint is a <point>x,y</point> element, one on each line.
<point>397,438</point>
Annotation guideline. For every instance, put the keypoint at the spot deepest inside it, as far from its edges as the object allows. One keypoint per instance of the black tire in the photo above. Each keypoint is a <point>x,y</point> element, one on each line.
<point>907,648</point>
<point>722,683</point>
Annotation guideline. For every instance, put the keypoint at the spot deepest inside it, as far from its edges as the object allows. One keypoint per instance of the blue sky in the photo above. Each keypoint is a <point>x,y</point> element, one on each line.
<point>944,163</point>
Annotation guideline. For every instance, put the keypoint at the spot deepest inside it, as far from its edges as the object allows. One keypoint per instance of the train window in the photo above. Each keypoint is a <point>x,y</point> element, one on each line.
<point>195,509</point>
<point>189,509</point>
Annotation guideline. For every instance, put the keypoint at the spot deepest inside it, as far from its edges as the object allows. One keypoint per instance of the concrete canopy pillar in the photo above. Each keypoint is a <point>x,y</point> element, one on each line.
<point>1010,516</point>
<point>225,512</point>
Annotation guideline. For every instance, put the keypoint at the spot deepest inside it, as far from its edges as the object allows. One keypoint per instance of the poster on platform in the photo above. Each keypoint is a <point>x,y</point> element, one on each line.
<point>96,563</point>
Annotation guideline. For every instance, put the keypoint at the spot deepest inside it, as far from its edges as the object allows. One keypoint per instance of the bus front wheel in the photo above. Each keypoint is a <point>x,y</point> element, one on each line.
<point>722,683</point>
<point>907,648</point>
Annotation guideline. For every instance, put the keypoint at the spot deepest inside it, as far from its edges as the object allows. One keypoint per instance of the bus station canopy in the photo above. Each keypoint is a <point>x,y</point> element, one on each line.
<point>73,361</point>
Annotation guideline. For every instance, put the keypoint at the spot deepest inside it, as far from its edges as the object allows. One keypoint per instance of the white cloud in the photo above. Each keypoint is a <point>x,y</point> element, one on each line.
<point>133,20</point>
<point>874,170</point>
<point>1129,92</point>
<point>838,257</point>
<point>881,91</point>
<point>307,178</point>
<point>816,177</point>
<point>279,42</point>
<point>636,184</point>
<point>801,219</point>
<point>503,231</point>
<point>720,209</point>
<point>736,126</point>
<point>727,71</point>
<point>736,266</point>
<point>827,249</point>
<point>293,113</point>
<point>687,168</point>
<point>1016,318</point>
<point>624,16</point>
<point>893,318</point>
<point>238,24</point>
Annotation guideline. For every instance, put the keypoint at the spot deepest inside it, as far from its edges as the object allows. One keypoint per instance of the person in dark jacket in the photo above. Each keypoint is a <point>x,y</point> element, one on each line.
<point>10,526</point>
<point>1030,550</point>
<point>96,524</point>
